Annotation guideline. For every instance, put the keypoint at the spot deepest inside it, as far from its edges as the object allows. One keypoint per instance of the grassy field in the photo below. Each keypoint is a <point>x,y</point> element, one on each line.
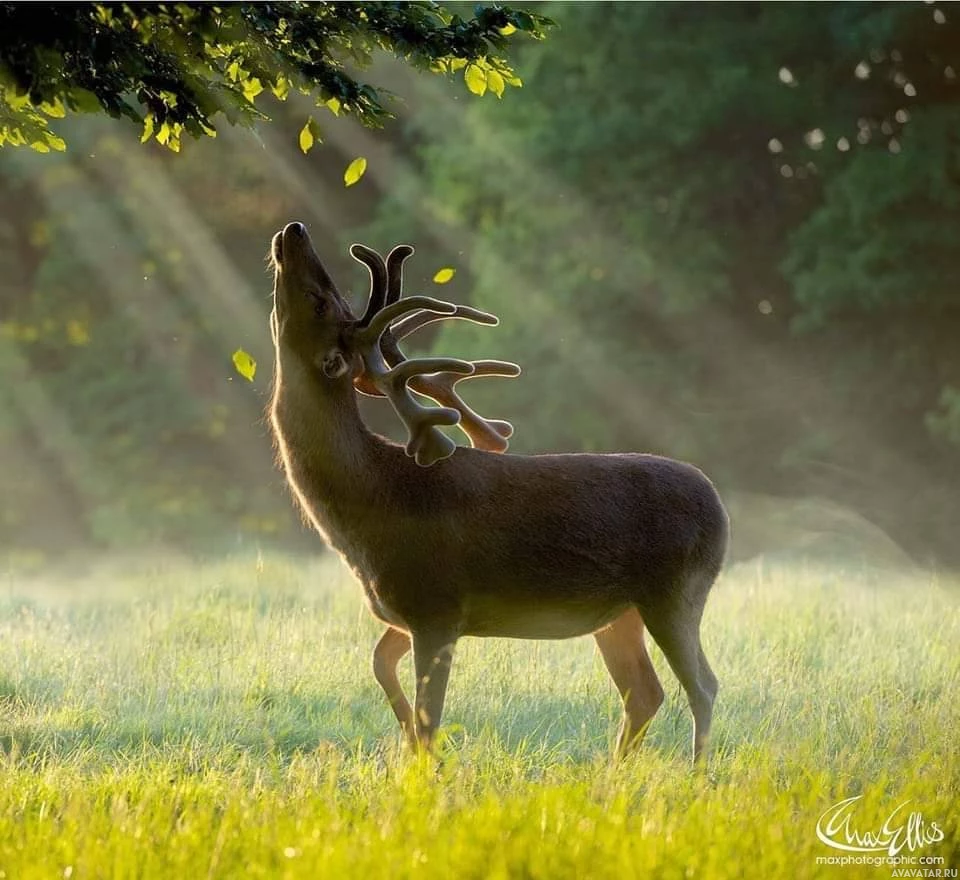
<point>221,720</point>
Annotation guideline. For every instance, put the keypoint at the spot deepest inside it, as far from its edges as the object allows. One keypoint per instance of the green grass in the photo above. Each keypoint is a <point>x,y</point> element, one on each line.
<point>222,721</point>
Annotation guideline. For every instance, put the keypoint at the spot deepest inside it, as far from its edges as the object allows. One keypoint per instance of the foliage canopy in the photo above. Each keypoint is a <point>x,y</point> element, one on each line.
<point>176,67</point>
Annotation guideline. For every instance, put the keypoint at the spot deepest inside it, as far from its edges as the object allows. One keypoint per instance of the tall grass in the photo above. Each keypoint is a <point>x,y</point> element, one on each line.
<point>221,720</point>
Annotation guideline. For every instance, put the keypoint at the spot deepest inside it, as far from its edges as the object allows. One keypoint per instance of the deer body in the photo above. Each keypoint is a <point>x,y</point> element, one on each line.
<point>486,544</point>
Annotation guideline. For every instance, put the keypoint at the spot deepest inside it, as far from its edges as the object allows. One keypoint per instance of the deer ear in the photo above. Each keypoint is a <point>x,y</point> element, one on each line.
<point>333,364</point>
<point>356,366</point>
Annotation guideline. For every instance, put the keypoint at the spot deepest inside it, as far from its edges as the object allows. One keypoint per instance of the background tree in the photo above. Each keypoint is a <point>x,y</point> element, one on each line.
<point>728,233</point>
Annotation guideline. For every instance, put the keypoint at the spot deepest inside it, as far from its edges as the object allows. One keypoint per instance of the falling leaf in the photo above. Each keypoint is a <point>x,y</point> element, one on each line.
<point>306,137</point>
<point>333,105</point>
<point>310,135</point>
<point>444,275</point>
<point>147,128</point>
<point>475,79</point>
<point>246,365</point>
<point>507,29</point>
<point>77,332</point>
<point>355,171</point>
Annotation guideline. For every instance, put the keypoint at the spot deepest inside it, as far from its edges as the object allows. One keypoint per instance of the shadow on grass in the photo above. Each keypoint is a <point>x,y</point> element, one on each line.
<point>217,726</point>
<point>211,725</point>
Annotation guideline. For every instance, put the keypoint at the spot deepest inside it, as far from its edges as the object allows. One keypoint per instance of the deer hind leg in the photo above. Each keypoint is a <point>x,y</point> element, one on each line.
<point>676,629</point>
<point>390,650</point>
<point>707,677</point>
<point>625,655</point>
<point>432,659</point>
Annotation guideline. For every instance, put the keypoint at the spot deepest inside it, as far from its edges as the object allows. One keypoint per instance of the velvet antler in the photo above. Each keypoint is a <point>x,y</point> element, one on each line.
<point>387,372</point>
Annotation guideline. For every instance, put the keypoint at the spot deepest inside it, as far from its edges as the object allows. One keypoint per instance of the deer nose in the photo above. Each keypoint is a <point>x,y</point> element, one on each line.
<point>295,228</point>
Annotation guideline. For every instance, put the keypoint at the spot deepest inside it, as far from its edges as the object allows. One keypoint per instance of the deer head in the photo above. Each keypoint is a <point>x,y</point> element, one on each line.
<point>315,323</point>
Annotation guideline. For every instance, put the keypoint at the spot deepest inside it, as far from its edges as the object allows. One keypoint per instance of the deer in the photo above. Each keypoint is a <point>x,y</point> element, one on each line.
<point>449,541</point>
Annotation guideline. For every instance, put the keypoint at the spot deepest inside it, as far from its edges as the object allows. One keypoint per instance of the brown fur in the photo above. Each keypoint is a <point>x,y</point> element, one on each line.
<point>542,546</point>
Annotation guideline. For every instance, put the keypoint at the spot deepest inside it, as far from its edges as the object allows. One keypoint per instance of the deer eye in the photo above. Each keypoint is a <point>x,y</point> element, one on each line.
<point>320,304</point>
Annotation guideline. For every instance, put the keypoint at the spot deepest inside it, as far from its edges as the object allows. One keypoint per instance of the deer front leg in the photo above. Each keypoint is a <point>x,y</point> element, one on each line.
<point>390,650</point>
<point>432,658</point>
<point>625,655</point>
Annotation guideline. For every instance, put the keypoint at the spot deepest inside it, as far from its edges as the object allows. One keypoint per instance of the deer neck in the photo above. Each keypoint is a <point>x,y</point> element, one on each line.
<point>331,459</point>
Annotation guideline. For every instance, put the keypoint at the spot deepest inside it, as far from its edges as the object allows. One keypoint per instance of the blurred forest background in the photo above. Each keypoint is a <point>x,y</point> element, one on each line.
<point>728,233</point>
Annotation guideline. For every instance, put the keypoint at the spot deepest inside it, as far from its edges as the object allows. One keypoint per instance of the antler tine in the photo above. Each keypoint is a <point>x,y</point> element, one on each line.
<point>488,434</point>
<point>395,260</point>
<point>420,319</point>
<point>386,285</point>
<point>388,314</point>
<point>379,279</point>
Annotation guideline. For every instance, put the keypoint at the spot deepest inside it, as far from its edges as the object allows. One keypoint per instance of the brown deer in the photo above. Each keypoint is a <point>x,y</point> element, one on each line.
<point>451,541</point>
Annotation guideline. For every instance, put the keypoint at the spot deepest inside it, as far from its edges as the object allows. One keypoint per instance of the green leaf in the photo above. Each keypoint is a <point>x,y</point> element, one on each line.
<point>55,142</point>
<point>246,365</point>
<point>281,88</point>
<point>15,101</point>
<point>169,135</point>
<point>14,136</point>
<point>475,79</point>
<point>444,275</point>
<point>525,22</point>
<point>495,83</point>
<point>251,88</point>
<point>85,101</point>
<point>355,170</point>
<point>333,105</point>
<point>54,109</point>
